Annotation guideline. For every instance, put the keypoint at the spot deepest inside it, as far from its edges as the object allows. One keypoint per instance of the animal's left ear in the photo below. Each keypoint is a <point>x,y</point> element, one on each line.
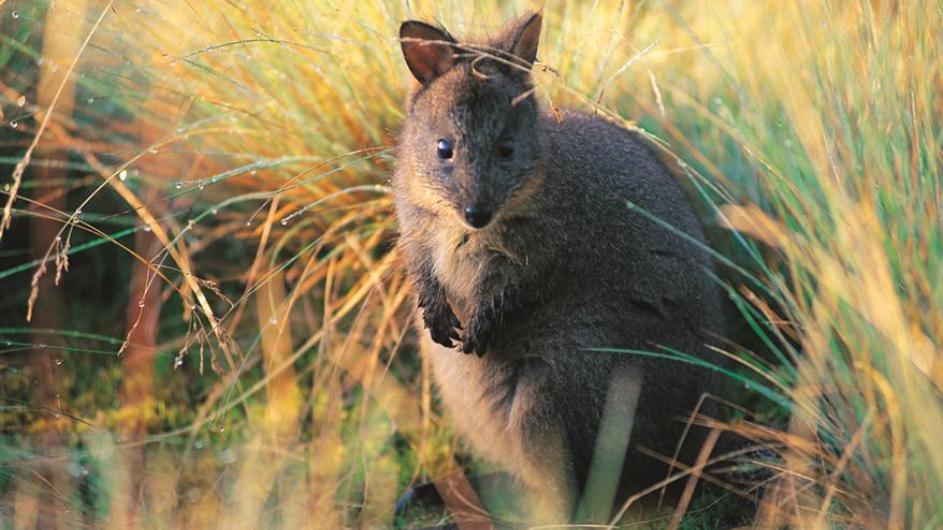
<point>428,50</point>
<point>523,37</point>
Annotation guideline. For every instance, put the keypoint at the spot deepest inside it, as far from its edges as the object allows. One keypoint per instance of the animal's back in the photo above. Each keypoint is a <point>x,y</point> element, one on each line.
<point>633,246</point>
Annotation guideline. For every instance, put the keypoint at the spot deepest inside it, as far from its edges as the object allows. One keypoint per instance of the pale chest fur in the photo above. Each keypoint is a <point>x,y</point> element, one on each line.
<point>460,261</point>
<point>458,265</point>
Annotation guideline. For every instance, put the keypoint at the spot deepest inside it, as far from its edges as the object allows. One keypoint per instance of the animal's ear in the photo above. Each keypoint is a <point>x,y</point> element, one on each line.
<point>429,51</point>
<point>523,37</point>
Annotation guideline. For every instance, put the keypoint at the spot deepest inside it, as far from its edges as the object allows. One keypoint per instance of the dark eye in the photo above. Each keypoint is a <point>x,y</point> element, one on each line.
<point>505,150</point>
<point>443,148</point>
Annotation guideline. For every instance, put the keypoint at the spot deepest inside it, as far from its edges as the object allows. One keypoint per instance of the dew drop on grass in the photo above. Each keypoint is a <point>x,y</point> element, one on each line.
<point>214,211</point>
<point>58,362</point>
<point>178,362</point>
<point>147,228</point>
<point>14,124</point>
<point>178,184</point>
<point>21,101</point>
<point>123,176</point>
<point>16,14</point>
<point>284,221</point>
<point>141,303</point>
<point>91,100</point>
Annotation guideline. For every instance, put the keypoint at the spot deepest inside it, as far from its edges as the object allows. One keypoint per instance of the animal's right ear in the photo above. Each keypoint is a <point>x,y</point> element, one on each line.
<point>429,51</point>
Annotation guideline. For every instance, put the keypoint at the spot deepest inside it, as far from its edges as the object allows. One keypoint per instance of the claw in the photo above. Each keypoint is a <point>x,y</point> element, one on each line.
<point>440,321</point>
<point>475,340</point>
<point>467,345</point>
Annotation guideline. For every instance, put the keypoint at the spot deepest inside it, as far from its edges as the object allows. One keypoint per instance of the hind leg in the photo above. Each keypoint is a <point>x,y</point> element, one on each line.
<point>574,435</point>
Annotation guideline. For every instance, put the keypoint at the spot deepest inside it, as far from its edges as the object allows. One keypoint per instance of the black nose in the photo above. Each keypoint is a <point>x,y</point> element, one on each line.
<point>477,216</point>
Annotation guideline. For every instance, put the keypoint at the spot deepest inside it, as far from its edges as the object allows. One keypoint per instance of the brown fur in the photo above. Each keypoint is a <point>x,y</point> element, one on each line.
<point>564,266</point>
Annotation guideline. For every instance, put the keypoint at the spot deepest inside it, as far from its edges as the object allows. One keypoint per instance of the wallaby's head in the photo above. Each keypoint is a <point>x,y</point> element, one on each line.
<point>469,141</point>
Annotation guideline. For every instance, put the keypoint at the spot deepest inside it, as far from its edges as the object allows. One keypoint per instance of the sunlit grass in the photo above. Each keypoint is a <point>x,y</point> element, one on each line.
<point>254,143</point>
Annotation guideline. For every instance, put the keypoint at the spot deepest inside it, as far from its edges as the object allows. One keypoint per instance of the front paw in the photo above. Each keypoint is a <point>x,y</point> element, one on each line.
<point>477,337</point>
<point>441,322</point>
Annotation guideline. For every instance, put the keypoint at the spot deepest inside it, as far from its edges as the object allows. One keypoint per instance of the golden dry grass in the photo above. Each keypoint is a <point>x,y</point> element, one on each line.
<point>253,141</point>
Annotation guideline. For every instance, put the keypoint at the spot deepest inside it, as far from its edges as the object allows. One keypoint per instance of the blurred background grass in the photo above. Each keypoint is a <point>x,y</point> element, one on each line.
<point>199,227</point>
